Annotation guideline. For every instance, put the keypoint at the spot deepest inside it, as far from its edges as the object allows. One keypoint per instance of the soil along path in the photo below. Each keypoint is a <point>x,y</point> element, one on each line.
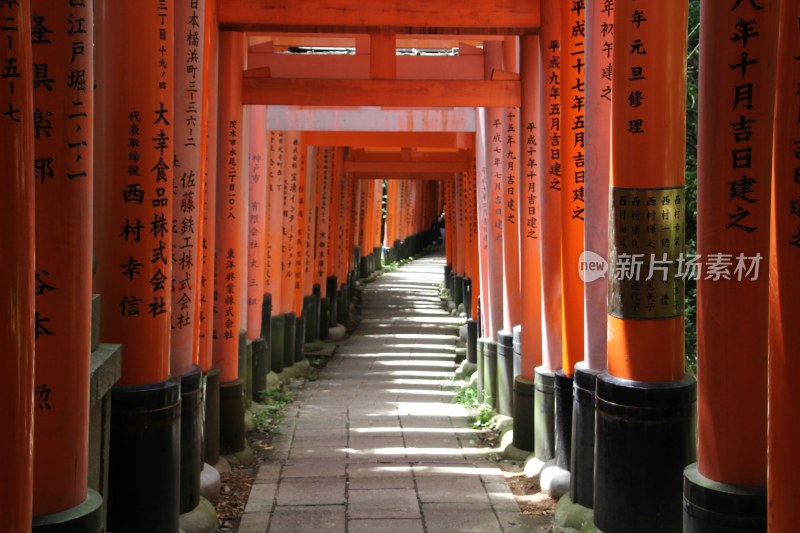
<point>375,444</point>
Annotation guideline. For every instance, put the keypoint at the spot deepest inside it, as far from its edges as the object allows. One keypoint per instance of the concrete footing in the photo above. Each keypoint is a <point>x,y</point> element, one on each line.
<point>201,519</point>
<point>554,481</point>
<point>337,333</point>
<point>210,483</point>
<point>571,517</point>
<point>244,457</point>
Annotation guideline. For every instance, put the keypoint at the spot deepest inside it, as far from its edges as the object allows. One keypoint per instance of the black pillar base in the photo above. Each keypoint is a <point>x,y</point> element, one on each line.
<point>505,372</point>
<point>324,318</point>
<point>266,335</point>
<point>544,415</point>
<point>246,364</point>
<point>266,313</point>
<point>211,426</point>
<point>467,298</point>
<point>644,438</point>
<point>191,439</point>
<point>311,318</point>
<point>563,420</point>
<point>357,262</point>
<point>480,353</point>
<point>299,339</point>
<point>524,410</point>
<point>713,507</point>
<point>277,344</point>
<point>472,342</point>
<point>86,517</point>
<point>331,291</point>
<point>344,303</point>
<point>144,458</point>
<point>458,290</point>
<point>231,411</point>
<point>490,373</point>
<point>377,253</point>
<point>396,250</point>
<point>581,489</point>
<point>479,319</point>
<point>289,338</point>
<point>448,278</point>
<point>261,367</point>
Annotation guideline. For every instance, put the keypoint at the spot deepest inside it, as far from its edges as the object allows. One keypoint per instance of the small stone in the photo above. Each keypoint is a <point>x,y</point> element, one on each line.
<point>554,481</point>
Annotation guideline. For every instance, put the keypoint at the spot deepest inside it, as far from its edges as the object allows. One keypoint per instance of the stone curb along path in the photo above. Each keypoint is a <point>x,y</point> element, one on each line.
<point>375,443</point>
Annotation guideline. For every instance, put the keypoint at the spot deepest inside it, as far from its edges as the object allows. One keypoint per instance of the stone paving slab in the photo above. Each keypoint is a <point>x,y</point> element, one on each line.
<point>460,518</point>
<point>375,444</point>
<point>311,491</point>
<point>383,503</point>
<point>385,526</point>
<point>309,519</point>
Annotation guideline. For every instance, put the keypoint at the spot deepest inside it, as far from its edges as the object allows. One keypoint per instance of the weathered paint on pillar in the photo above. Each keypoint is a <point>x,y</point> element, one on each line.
<point>133,202</point>
<point>17,325</point>
<point>298,174</point>
<point>784,335</point>
<point>550,50</point>
<point>495,168</point>
<point>62,131</point>
<point>311,219</point>
<point>511,194</point>
<point>272,285</point>
<point>256,217</point>
<point>529,209</point>
<point>362,217</point>
<point>482,197</point>
<point>186,192</point>
<point>737,95</point>
<point>209,201</point>
<point>599,48</point>
<point>324,179</point>
<point>647,167</point>
<point>474,235</point>
<point>377,218</point>
<point>231,212</point>
<point>450,251</point>
<point>334,251</point>
<point>459,267</point>
<point>573,166</point>
<point>391,214</point>
<point>289,224</point>
<point>466,191</point>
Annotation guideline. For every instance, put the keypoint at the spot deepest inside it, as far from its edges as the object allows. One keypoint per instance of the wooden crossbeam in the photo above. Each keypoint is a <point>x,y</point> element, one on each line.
<point>261,90</point>
<point>389,139</point>
<point>406,167</point>
<point>385,175</point>
<point>499,17</point>
<point>466,67</point>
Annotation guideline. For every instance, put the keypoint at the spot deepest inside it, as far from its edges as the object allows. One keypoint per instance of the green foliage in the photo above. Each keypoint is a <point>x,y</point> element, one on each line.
<point>268,415</point>
<point>481,413</point>
<point>276,397</point>
<point>692,104</point>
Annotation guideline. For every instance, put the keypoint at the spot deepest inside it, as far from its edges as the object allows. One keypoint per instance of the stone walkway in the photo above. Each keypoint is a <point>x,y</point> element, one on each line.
<point>375,444</point>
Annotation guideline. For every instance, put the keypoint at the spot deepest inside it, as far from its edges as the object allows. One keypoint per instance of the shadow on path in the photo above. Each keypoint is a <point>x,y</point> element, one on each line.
<point>375,445</point>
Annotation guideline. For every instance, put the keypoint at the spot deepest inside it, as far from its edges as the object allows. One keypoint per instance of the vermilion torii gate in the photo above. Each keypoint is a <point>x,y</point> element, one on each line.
<point>226,163</point>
